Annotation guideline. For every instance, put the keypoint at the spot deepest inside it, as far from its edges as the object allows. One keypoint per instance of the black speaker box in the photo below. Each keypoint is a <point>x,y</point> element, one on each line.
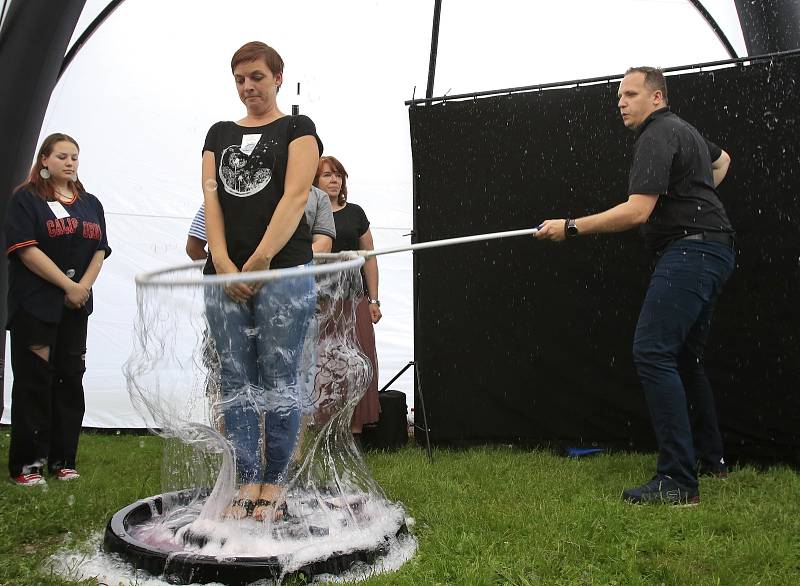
<point>391,430</point>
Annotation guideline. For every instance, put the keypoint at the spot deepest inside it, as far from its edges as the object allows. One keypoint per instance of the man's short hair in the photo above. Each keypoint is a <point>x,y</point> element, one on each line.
<point>653,78</point>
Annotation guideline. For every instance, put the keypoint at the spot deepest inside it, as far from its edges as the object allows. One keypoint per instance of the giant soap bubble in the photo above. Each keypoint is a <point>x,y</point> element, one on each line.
<point>255,396</point>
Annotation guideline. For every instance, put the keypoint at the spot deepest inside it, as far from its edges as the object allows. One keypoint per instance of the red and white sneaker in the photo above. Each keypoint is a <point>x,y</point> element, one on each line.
<point>67,474</point>
<point>33,479</point>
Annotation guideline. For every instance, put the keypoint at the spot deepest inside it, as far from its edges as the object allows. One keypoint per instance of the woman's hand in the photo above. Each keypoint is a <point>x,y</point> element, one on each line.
<point>76,295</point>
<point>375,313</point>
<point>257,262</point>
<point>238,292</point>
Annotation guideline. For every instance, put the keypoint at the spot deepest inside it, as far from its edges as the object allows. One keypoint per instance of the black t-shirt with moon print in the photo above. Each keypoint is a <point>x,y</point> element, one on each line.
<point>251,170</point>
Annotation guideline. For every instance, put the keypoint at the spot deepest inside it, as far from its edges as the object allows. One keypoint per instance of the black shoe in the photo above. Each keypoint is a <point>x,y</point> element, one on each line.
<point>719,471</point>
<point>662,490</point>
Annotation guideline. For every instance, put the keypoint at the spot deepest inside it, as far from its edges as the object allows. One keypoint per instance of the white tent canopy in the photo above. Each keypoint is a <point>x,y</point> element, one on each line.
<point>142,93</point>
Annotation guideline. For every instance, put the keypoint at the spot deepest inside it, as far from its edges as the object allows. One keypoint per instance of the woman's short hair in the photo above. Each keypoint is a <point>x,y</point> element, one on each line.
<point>337,167</point>
<point>255,50</point>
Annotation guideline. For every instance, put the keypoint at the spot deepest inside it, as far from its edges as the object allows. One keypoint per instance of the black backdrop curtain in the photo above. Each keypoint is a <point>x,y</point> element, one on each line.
<point>530,342</point>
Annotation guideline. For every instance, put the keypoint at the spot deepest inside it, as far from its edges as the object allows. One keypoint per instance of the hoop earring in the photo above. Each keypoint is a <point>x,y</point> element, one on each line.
<point>44,173</point>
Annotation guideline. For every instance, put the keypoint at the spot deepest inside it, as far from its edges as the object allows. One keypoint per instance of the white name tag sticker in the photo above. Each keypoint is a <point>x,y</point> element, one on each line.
<point>58,210</point>
<point>249,142</point>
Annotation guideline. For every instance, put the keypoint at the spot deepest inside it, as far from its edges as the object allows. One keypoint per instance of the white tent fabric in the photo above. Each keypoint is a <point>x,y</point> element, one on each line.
<point>144,90</point>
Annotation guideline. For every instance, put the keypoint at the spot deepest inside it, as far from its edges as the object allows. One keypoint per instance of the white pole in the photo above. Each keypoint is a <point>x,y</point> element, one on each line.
<point>449,242</point>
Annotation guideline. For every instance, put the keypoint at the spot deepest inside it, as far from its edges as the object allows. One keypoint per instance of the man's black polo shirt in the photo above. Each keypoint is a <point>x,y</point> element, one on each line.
<point>671,159</point>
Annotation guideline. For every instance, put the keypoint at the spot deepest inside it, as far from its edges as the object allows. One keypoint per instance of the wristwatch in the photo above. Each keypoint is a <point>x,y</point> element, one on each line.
<point>374,302</point>
<point>570,229</point>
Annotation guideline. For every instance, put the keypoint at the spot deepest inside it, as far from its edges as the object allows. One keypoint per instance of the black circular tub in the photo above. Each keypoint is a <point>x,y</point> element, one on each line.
<point>187,566</point>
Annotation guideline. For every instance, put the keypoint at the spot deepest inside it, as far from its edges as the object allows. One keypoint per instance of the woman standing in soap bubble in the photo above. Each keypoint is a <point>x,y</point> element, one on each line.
<point>256,177</point>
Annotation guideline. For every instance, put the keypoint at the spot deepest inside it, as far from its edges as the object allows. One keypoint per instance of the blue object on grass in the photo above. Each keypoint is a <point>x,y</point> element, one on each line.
<point>578,452</point>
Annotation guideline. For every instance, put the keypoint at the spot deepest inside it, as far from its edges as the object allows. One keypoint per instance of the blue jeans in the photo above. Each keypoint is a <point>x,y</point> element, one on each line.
<point>668,348</point>
<point>259,345</point>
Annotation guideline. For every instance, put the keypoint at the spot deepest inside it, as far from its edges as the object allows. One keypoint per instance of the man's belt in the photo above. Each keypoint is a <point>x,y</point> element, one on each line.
<point>721,237</point>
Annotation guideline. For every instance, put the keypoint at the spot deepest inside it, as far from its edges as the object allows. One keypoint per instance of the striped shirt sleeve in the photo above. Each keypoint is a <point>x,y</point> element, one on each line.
<point>198,227</point>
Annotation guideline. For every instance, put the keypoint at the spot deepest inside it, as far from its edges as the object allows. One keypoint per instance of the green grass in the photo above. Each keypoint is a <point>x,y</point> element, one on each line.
<point>116,471</point>
<point>483,516</point>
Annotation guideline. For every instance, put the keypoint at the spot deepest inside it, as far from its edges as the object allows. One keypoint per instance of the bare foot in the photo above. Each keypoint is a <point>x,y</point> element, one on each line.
<point>266,502</point>
<point>245,501</point>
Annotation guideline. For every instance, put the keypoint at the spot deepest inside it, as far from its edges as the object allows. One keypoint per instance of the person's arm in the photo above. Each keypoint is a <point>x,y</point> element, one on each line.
<point>323,226</point>
<point>196,248</point>
<point>620,218</point>
<point>215,230</point>
<point>215,223</point>
<point>371,275</point>
<point>300,171</point>
<point>720,167</point>
<point>321,243</point>
<point>42,266</point>
<point>93,270</point>
<point>90,275</point>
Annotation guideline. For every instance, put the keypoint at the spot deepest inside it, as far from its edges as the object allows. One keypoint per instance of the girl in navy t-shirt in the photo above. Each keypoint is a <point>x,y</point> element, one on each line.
<point>56,243</point>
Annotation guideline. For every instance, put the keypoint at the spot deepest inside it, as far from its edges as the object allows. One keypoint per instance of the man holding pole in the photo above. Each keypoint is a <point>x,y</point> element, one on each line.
<point>672,196</point>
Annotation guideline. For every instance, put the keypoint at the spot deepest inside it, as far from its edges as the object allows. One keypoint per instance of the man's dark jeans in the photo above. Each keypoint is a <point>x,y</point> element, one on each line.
<point>668,348</point>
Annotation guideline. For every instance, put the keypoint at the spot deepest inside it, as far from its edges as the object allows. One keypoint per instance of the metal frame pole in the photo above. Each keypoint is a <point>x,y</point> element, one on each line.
<point>715,27</point>
<point>86,34</point>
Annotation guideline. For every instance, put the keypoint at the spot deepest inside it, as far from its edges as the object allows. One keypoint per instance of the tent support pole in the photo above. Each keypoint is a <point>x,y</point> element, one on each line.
<point>90,30</point>
<point>715,27</point>
<point>437,12</point>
